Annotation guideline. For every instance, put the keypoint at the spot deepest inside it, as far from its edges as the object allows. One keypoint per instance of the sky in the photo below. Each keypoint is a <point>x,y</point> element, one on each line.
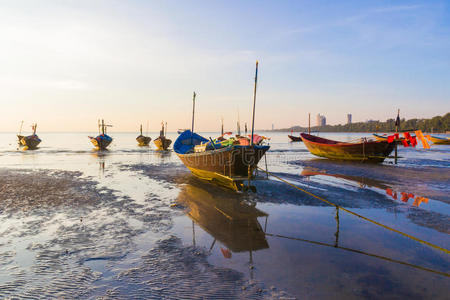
<point>65,64</point>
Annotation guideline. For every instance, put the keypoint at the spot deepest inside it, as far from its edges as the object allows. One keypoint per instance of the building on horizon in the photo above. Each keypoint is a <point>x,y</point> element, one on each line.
<point>273,127</point>
<point>321,120</point>
<point>349,118</point>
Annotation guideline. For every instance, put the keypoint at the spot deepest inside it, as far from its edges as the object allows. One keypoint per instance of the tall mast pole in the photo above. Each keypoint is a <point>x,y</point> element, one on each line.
<point>254,101</point>
<point>193,111</point>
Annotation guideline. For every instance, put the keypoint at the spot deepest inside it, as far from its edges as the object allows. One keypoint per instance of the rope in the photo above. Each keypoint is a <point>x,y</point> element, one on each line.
<point>360,216</point>
<point>360,252</point>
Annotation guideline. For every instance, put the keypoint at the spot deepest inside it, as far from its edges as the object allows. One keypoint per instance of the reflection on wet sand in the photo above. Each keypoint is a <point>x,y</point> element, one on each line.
<point>227,218</point>
<point>234,223</point>
<point>364,182</point>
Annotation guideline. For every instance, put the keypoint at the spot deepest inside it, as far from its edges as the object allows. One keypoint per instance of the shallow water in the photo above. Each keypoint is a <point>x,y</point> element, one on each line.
<point>132,222</point>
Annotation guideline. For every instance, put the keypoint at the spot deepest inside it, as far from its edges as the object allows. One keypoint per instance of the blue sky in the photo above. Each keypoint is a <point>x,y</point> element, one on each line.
<point>67,63</point>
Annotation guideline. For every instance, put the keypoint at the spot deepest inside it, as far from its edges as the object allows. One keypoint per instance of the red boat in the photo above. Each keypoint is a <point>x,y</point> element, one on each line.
<point>365,151</point>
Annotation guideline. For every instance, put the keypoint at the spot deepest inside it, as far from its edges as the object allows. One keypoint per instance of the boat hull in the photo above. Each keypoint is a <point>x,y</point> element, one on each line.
<point>439,141</point>
<point>143,140</point>
<point>162,143</point>
<point>30,142</point>
<point>228,166</point>
<point>295,138</point>
<point>100,144</point>
<point>370,151</point>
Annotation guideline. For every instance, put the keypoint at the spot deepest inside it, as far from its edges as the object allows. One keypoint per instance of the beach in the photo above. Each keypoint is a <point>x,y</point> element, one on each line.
<point>132,222</point>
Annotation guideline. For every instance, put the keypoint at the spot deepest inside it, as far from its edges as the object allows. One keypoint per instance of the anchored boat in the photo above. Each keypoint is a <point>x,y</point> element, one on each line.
<point>32,141</point>
<point>226,163</point>
<point>143,140</point>
<point>438,140</point>
<point>102,141</point>
<point>365,151</point>
<point>162,143</point>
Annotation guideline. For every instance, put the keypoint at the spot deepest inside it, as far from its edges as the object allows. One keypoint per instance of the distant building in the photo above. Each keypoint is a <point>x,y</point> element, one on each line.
<point>349,118</point>
<point>321,120</point>
<point>273,127</point>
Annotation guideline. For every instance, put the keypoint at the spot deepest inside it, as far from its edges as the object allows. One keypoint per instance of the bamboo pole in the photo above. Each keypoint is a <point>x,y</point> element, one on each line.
<point>193,111</point>
<point>254,101</point>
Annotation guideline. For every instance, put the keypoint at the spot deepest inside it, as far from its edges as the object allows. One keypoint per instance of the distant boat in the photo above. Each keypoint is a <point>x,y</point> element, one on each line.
<point>162,143</point>
<point>102,141</point>
<point>143,140</point>
<point>225,163</point>
<point>295,138</point>
<point>438,140</point>
<point>366,151</point>
<point>180,131</point>
<point>32,141</point>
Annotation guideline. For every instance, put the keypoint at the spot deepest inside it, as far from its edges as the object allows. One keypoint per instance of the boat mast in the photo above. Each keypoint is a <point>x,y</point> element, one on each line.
<point>239,124</point>
<point>254,101</point>
<point>193,114</point>
<point>21,125</point>
<point>165,132</point>
<point>141,129</point>
<point>193,111</point>
<point>222,125</point>
<point>34,128</point>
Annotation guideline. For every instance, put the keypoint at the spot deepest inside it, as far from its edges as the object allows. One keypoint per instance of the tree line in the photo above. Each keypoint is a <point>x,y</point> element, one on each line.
<point>435,124</point>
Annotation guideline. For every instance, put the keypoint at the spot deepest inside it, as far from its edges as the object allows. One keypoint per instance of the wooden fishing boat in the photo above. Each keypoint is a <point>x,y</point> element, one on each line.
<point>228,165</point>
<point>365,151</point>
<point>295,138</point>
<point>102,141</point>
<point>162,143</point>
<point>438,140</point>
<point>143,140</point>
<point>30,142</point>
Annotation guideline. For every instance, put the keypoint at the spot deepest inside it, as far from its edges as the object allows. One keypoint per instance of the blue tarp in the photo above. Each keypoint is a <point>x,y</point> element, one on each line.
<point>186,141</point>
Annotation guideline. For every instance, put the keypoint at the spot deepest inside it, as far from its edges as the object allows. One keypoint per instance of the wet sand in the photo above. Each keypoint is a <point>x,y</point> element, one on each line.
<point>134,223</point>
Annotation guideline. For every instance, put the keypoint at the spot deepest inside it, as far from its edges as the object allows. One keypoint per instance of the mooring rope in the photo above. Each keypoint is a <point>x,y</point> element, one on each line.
<point>358,215</point>
<point>360,252</point>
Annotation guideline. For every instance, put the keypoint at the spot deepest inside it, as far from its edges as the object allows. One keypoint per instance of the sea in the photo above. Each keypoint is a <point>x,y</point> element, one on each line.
<point>134,223</point>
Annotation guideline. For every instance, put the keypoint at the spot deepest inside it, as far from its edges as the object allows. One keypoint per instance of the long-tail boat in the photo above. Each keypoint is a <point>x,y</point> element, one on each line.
<point>365,151</point>
<point>228,165</point>
<point>438,140</point>
<point>32,141</point>
<point>102,141</point>
<point>143,140</point>
<point>162,143</point>
<point>228,162</point>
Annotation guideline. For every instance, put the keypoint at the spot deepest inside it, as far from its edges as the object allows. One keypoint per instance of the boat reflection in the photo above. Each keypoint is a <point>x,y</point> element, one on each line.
<point>364,182</point>
<point>234,223</point>
<point>226,217</point>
